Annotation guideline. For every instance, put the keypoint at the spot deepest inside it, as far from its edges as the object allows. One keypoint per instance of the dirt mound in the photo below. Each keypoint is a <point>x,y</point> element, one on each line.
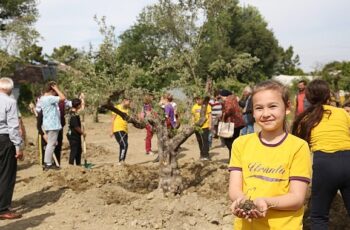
<point>209,179</point>
<point>134,178</point>
<point>204,203</point>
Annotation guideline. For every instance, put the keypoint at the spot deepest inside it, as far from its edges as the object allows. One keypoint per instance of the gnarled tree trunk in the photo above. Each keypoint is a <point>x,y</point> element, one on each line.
<point>170,180</point>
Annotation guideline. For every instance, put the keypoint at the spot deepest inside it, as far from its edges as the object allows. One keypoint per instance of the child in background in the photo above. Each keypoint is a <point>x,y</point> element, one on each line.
<point>174,105</point>
<point>216,114</point>
<point>202,135</point>
<point>74,133</point>
<point>146,111</point>
<point>272,167</point>
<point>326,129</point>
<point>169,111</point>
<point>120,129</point>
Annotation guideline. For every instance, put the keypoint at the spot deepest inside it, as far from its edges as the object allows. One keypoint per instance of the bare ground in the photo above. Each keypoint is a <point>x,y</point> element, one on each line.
<point>126,197</point>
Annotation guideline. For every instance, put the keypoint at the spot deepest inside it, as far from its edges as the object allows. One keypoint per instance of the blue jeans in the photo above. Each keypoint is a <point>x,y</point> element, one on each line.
<point>249,127</point>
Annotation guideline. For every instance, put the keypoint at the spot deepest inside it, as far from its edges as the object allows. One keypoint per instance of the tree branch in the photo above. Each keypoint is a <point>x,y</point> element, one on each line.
<point>136,123</point>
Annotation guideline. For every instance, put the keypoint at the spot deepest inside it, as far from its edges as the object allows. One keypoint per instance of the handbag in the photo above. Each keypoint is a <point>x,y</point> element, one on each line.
<point>226,129</point>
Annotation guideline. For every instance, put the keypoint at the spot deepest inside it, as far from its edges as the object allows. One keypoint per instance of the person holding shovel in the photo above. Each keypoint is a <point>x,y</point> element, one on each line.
<point>51,121</point>
<point>75,132</point>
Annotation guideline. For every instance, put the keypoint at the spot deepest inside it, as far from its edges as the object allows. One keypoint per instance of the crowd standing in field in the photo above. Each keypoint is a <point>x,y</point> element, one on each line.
<point>270,168</point>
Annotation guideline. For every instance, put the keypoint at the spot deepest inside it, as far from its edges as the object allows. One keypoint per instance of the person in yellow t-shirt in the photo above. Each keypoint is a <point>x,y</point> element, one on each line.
<point>202,135</point>
<point>272,168</point>
<point>120,129</point>
<point>327,130</point>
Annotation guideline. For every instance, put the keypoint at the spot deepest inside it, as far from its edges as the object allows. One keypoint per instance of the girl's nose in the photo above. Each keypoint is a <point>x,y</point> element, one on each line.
<point>265,113</point>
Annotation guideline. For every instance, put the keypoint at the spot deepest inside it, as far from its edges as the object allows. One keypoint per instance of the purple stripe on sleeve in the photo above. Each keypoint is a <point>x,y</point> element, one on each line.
<point>300,178</point>
<point>234,169</point>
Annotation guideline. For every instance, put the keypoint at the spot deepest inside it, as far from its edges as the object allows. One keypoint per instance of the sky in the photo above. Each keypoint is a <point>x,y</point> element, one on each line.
<point>318,30</point>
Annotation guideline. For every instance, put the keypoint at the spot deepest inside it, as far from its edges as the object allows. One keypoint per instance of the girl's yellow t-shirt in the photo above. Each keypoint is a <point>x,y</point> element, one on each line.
<point>119,124</point>
<point>267,171</point>
<point>333,132</point>
<point>196,114</point>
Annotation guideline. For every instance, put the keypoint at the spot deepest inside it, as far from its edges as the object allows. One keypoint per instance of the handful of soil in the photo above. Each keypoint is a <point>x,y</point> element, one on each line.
<point>247,205</point>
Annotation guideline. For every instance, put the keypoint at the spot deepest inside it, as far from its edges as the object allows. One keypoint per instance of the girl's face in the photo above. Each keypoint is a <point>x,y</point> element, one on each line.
<point>269,110</point>
<point>126,103</point>
<point>199,101</point>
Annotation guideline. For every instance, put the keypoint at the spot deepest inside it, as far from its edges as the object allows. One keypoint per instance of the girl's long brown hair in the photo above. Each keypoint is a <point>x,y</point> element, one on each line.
<point>318,94</point>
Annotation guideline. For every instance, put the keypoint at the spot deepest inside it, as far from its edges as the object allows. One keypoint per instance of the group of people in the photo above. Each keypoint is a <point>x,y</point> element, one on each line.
<point>224,107</point>
<point>272,168</point>
<point>120,125</point>
<point>50,111</point>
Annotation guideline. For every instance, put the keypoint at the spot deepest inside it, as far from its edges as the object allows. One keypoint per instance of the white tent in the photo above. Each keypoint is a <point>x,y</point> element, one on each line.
<point>288,79</point>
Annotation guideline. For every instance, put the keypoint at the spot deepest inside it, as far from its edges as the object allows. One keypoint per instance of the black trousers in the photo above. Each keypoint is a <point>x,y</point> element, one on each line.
<point>203,142</point>
<point>331,172</point>
<point>75,151</point>
<point>8,170</point>
<point>229,141</point>
<point>122,139</point>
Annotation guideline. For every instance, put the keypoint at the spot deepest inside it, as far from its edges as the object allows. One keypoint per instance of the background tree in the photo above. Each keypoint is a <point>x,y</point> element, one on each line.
<point>169,141</point>
<point>17,18</point>
<point>66,54</point>
<point>32,54</point>
<point>289,63</point>
<point>10,10</point>
<point>337,74</point>
<point>183,41</point>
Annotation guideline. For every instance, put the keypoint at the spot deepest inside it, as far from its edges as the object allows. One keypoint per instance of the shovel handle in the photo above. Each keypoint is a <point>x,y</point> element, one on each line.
<point>55,159</point>
<point>84,146</point>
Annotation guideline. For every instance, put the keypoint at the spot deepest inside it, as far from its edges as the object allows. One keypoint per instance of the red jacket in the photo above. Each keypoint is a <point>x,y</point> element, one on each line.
<point>231,112</point>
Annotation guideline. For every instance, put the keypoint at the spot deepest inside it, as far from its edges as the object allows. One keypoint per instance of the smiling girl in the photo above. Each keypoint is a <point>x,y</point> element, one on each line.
<point>272,168</point>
